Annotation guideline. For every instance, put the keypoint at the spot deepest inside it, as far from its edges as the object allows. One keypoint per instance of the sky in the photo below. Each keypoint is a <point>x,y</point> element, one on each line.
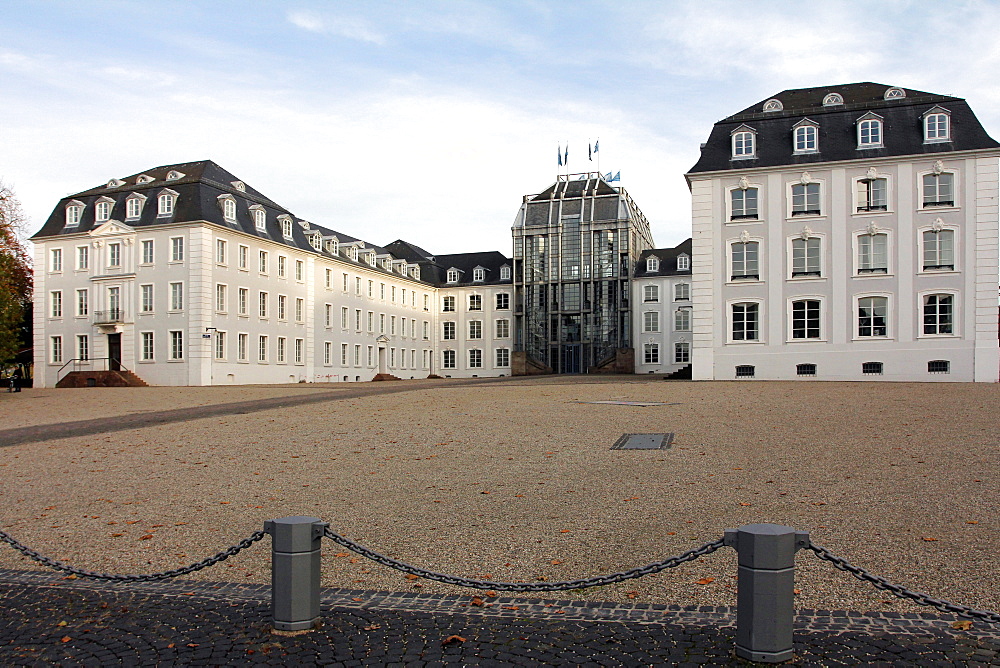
<point>429,121</point>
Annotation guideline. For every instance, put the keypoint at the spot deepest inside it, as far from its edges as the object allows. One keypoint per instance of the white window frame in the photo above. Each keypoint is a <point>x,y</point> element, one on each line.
<point>133,206</point>
<point>452,276</point>
<point>166,202</point>
<point>102,209</point>
<point>55,260</point>
<point>114,255</point>
<point>869,121</point>
<point>795,241</point>
<point>682,292</point>
<point>176,296</point>
<point>147,346</point>
<point>504,273</point>
<point>730,244</point>
<point>650,322</point>
<point>502,328</point>
<point>475,358</point>
<point>259,215</point>
<point>684,346</point>
<point>221,297</point>
<point>651,353</point>
<point>921,247</point>
<point>176,249</point>
<point>227,203</point>
<point>889,255</point>
<point>955,321</point>
<point>683,262</point>
<point>790,319</point>
<point>74,212</point>
<point>475,302</point>
<point>805,137</point>
<point>221,252</point>
<point>56,304</point>
<point>739,139</point>
<point>806,212</point>
<point>761,329</point>
<point>262,348</point>
<point>176,345</point>
<point>475,330</point>
<point>955,188</point>
<point>933,131</point>
<point>55,349</point>
<point>652,264</point>
<point>478,275</point>
<point>744,218</point>
<point>148,252</point>
<point>82,258</point>
<point>683,319</point>
<point>82,302</point>
<point>147,298</point>
<point>651,293</point>
<point>501,357</point>
<point>501,301</point>
<point>890,332</point>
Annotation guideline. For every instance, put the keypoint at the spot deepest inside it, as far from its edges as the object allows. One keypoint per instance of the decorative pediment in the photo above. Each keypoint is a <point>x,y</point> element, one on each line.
<point>805,178</point>
<point>173,175</point>
<point>870,116</point>
<point>743,128</point>
<point>833,99</point>
<point>115,183</point>
<point>806,121</point>
<point>382,338</point>
<point>168,191</point>
<point>773,105</point>
<point>806,233</point>
<point>144,178</point>
<point>110,228</point>
<point>936,109</point>
<point>102,199</point>
<point>894,94</point>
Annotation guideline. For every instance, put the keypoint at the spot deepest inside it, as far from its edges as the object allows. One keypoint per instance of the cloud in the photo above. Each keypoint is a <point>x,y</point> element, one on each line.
<point>341,26</point>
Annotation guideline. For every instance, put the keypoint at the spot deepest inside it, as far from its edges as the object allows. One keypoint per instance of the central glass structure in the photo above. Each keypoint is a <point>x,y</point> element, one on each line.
<point>574,248</point>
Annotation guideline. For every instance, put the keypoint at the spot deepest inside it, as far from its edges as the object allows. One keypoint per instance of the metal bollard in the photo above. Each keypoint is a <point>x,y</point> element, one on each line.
<point>295,571</point>
<point>765,589</point>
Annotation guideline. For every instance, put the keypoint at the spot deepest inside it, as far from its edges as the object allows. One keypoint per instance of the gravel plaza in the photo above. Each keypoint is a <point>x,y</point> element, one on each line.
<point>515,480</point>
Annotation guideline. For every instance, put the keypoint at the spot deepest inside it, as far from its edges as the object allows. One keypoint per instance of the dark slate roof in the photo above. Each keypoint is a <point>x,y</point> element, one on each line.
<point>668,261</point>
<point>436,271</point>
<point>404,250</point>
<point>574,188</point>
<point>902,131</point>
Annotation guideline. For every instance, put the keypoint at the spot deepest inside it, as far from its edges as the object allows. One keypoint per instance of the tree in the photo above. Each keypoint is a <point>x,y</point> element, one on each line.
<point>15,274</point>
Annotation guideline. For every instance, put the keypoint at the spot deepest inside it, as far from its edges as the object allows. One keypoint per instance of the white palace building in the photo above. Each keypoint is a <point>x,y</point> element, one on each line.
<point>839,233</point>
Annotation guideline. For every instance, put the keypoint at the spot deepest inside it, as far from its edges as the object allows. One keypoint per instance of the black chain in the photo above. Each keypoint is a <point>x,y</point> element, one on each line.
<point>903,592</point>
<point>145,577</point>
<point>598,581</point>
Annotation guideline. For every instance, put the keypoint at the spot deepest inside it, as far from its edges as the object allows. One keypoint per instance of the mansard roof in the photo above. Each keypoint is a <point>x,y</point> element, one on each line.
<point>902,135</point>
<point>404,250</point>
<point>564,188</point>
<point>668,261</point>
<point>436,271</point>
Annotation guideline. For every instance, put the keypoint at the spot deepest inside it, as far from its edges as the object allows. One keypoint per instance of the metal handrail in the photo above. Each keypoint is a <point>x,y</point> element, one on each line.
<point>77,362</point>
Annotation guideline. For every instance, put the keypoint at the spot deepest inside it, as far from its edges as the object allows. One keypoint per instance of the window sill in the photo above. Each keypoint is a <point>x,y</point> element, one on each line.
<point>937,272</point>
<point>874,274</point>
<point>142,313</point>
<point>876,213</point>
<point>145,362</point>
<point>938,336</point>
<point>805,279</point>
<point>174,361</point>
<point>810,340</point>
<point>744,221</point>
<point>934,209</point>
<point>873,338</point>
<point>804,216</point>
<point>757,342</point>
<point>755,281</point>
<point>869,147</point>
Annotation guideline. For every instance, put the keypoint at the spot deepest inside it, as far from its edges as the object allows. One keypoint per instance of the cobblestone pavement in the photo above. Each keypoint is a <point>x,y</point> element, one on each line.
<point>49,619</point>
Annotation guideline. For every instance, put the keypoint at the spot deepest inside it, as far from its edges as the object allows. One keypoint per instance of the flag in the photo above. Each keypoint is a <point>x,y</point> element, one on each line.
<point>566,155</point>
<point>597,146</point>
<point>590,154</point>
<point>618,176</point>
<point>607,177</point>
<point>559,155</point>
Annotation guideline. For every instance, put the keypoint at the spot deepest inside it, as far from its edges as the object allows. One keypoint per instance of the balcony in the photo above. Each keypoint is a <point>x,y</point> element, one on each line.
<point>114,316</point>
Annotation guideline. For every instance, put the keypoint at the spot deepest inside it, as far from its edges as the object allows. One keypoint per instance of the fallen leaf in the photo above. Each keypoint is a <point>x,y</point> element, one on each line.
<point>476,601</point>
<point>373,627</point>
<point>510,607</point>
<point>964,625</point>
<point>452,639</point>
<point>972,522</point>
<point>796,591</point>
<point>66,638</point>
<point>357,599</point>
<point>411,576</point>
<point>556,562</point>
<point>928,539</point>
<point>146,537</point>
<point>564,531</point>
<point>632,594</point>
<point>192,644</point>
<point>743,503</point>
<point>705,581</point>
<point>342,554</point>
<point>62,624</point>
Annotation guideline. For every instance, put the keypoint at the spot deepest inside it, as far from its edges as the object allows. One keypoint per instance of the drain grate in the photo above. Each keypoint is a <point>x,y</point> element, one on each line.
<point>643,442</point>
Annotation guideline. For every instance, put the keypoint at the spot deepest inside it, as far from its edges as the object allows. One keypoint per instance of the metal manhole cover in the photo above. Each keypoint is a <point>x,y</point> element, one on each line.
<point>643,442</point>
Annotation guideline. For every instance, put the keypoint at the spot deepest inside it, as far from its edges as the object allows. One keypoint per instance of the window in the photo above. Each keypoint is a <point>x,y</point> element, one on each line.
<point>262,305</point>
<point>682,292</point>
<point>870,133</point>
<point>282,301</point>
<point>114,255</point>
<point>805,319</point>
<point>115,303</point>
<point>82,257</point>
<point>328,281</point>
<point>873,253</point>
<point>243,257</point>
<point>244,297</point>
<point>381,323</point>
<point>146,298</point>
<point>259,219</point>
<point>682,352</point>
<point>743,144</point>
<point>475,302</point>
<point>73,213</point>
<point>475,329</point>
<point>743,203</point>
<point>56,304</point>
<point>176,296</point>
<point>392,325</point>
<point>344,317</point>
<point>479,274</point>
<point>448,304</point>
<point>133,207</point>
<point>938,314</point>
<point>371,287</point>
<point>872,195</point>
<point>299,343</point>
<point>147,346</point>
<point>937,126</point>
<point>286,228</point>
<point>56,349</point>
<point>165,204</point>
<point>939,189</point>
<point>805,369</point>
<point>682,320</point>
<point>502,301</point>
<point>745,371</point>
<point>651,293</point>
<point>343,354</point>
<point>746,321</point>
<point>176,345</point>
<point>229,208</point>
<point>300,315</point>
<point>651,353</point>
<point>220,251</point>
<point>177,249</point>
<point>805,257</point>
<point>282,343</point>
<point>357,355</point>
<point>300,272</point>
<point>504,276</point>
<point>806,139</point>
<point>452,276</point>
<point>82,347</point>
<point>745,256</point>
<point>371,356</point>
<point>147,251</point>
<point>242,345</point>
<point>262,349</point>
<point>448,331</point>
<point>327,353</point>
<point>102,212</point>
<point>56,260</point>
<point>683,262</point>
<point>447,359</point>
<point>805,199</point>
<point>282,261</point>
<point>503,357</point>
<point>221,293</point>
<point>83,302</point>
<point>328,310</point>
<point>475,358</point>
<point>872,316</point>
<point>393,292</point>
<point>651,321</point>
<point>371,321</point>
<point>262,262</point>
<point>652,264</point>
<point>871,368</point>
<point>503,328</point>
<point>939,250</point>
<point>938,366</point>
<point>220,345</point>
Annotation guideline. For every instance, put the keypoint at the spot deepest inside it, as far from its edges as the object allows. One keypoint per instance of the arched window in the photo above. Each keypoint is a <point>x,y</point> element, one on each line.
<point>870,132</point>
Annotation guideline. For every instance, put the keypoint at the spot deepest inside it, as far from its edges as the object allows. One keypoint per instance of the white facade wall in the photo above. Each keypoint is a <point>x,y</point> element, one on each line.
<point>661,295</point>
<point>466,321</point>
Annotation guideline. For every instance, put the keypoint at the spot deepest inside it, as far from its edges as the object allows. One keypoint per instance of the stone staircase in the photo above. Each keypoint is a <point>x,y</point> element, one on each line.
<point>120,378</point>
<point>385,376</point>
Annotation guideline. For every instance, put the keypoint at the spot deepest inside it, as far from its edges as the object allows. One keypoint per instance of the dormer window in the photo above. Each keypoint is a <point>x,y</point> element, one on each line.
<point>144,178</point>
<point>452,276</point>
<point>806,137</point>
<point>239,185</point>
<point>115,183</point>
<point>895,94</point>
<point>744,143</point>
<point>505,273</point>
<point>683,262</point>
<point>286,226</point>
<point>353,253</point>
<point>165,203</point>
<point>387,264</point>
<point>259,217</point>
<point>102,210</point>
<point>74,211</point>
<point>228,204</point>
<point>415,271</point>
<point>833,99</point>
<point>773,105</point>
<point>478,274</point>
<point>333,246</point>
<point>652,264</point>
<point>937,125</point>
<point>870,131</point>
<point>316,241</point>
<point>133,206</point>
<point>173,175</point>
<point>371,259</point>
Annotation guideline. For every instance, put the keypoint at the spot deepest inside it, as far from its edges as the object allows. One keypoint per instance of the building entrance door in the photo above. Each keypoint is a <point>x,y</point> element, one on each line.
<point>571,358</point>
<point>115,352</point>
